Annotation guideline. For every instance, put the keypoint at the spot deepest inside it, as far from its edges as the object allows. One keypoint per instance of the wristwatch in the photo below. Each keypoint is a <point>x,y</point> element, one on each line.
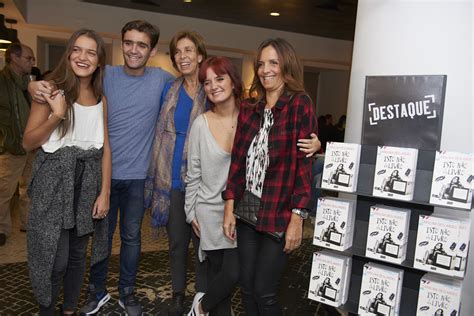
<point>300,212</point>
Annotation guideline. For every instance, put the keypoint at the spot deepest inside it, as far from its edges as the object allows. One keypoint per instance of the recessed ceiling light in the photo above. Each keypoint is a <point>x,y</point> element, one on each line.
<point>275,14</point>
<point>188,1</point>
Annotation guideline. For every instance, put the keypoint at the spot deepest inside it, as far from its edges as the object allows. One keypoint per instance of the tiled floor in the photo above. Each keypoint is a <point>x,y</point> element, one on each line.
<point>153,280</point>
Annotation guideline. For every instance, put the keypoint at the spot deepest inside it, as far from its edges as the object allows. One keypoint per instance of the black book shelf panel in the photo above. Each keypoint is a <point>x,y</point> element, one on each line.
<point>410,288</point>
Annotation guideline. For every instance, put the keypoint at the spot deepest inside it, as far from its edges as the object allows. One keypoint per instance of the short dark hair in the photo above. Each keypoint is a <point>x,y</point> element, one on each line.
<point>222,66</point>
<point>14,48</point>
<point>194,37</point>
<point>151,30</point>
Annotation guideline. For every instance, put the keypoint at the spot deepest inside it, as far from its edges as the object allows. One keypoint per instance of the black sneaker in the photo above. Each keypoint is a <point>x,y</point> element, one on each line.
<point>94,302</point>
<point>131,305</point>
<point>177,306</point>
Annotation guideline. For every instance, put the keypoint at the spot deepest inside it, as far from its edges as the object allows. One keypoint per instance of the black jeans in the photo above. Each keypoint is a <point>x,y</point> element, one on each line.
<point>222,277</point>
<point>180,233</point>
<point>262,262</point>
<point>69,268</point>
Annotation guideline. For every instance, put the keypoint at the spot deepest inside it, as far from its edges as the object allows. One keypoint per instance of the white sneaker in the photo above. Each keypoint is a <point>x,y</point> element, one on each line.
<point>195,307</point>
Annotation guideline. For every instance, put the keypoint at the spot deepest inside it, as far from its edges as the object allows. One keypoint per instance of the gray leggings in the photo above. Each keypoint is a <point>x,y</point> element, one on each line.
<point>69,267</point>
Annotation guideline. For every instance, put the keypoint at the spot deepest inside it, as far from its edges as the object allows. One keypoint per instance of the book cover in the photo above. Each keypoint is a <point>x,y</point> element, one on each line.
<point>439,296</point>
<point>334,222</point>
<point>395,172</point>
<point>387,235</point>
<point>442,245</point>
<point>328,283</point>
<point>461,250</point>
<point>341,167</point>
<point>453,179</point>
<point>380,290</point>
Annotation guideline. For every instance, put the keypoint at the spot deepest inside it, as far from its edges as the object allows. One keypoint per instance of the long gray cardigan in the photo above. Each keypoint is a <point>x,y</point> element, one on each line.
<point>51,192</point>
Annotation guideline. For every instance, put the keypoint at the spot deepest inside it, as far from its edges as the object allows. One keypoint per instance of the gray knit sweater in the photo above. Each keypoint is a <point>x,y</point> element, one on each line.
<point>51,192</point>
<point>206,178</point>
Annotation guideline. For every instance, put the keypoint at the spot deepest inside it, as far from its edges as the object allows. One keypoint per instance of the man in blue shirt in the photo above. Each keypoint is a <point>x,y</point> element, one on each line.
<point>133,93</point>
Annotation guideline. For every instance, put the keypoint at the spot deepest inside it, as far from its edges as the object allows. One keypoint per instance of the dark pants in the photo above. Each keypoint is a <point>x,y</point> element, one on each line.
<point>262,262</point>
<point>69,268</point>
<point>222,277</point>
<point>126,195</point>
<point>180,234</point>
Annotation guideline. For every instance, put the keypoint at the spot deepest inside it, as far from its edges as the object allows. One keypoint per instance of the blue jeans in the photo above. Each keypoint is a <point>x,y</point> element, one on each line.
<point>126,195</point>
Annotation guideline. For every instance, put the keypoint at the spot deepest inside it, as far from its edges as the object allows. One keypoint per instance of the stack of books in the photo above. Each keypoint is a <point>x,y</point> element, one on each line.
<point>387,236</point>
<point>334,224</point>
<point>381,290</point>
<point>341,167</point>
<point>442,244</point>
<point>330,275</point>
<point>439,296</point>
<point>453,179</point>
<point>395,172</point>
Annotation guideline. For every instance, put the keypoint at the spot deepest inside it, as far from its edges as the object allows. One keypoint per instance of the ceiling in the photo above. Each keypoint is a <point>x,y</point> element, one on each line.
<point>326,18</point>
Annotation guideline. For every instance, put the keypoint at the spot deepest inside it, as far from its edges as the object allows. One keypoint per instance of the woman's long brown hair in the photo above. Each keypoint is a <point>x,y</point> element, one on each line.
<point>290,65</point>
<point>64,78</point>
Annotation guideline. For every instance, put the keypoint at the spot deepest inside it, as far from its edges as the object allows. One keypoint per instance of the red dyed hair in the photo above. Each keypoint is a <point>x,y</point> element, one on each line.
<point>222,66</point>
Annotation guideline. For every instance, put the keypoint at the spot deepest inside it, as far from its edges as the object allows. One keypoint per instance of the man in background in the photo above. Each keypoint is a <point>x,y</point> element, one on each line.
<point>15,162</point>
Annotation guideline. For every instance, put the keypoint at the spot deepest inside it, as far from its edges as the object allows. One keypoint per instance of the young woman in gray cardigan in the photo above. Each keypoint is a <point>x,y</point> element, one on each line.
<point>70,184</point>
<point>210,145</point>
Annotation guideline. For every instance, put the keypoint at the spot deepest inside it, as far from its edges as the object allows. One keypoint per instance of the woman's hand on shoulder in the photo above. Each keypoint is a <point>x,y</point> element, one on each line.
<point>101,206</point>
<point>310,146</point>
<point>294,233</point>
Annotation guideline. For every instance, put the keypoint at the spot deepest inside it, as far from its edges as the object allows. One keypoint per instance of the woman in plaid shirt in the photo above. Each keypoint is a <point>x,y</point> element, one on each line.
<point>267,163</point>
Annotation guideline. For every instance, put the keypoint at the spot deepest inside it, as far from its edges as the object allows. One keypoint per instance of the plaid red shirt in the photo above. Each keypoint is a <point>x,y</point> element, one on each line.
<point>287,182</point>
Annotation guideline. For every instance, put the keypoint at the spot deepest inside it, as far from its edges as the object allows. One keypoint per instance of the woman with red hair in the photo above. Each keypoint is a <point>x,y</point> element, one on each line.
<point>210,145</point>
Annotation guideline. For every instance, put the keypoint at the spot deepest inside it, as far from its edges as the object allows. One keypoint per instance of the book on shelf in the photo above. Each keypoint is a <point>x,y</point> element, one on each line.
<point>341,167</point>
<point>442,244</point>
<point>453,179</point>
<point>439,296</point>
<point>330,276</point>
<point>387,235</point>
<point>381,290</point>
<point>334,222</point>
<point>395,172</point>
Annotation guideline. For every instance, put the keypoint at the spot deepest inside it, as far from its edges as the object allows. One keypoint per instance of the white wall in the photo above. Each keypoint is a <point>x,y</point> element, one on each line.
<point>226,39</point>
<point>420,37</point>
<point>75,14</point>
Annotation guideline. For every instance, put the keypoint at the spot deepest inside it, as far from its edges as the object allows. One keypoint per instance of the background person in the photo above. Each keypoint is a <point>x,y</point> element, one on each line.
<point>15,161</point>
